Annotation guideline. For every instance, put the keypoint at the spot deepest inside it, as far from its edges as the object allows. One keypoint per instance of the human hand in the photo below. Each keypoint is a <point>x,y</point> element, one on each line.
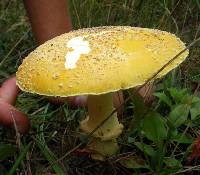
<point>9,115</point>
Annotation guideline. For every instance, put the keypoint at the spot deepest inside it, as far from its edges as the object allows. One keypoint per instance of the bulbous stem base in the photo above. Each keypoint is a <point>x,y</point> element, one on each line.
<point>99,108</point>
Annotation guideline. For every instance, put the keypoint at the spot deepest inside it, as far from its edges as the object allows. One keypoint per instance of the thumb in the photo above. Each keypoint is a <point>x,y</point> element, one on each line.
<point>9,91</point>
<point>10,117</point>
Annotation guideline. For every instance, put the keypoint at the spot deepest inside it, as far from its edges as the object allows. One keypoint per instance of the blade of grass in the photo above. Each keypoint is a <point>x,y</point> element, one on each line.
<point>14,47</point>
<point>48,154</point>
<point>198,4</point>
<point>19,159</point>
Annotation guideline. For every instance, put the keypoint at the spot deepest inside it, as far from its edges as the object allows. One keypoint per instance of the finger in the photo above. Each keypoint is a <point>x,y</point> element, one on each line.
<point>118,100</point>
<point>78,101</point>
<point>9,91</point>
<point>10,117</point>
<point>57,100</point>
<point>147,93</point>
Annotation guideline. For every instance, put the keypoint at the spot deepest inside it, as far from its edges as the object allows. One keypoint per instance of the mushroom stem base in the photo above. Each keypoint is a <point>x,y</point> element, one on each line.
<point>102,149</point>
<point>104,138</point>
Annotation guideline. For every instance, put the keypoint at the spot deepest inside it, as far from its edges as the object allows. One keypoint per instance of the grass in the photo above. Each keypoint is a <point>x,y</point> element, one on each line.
<point>47,148</point>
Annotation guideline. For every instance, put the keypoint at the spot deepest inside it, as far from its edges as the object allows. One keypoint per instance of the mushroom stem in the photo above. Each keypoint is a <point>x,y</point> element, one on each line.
<point>102,149</point>
<point>99,108</point>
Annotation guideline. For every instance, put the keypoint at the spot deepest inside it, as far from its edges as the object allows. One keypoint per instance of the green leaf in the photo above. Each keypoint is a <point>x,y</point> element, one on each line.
<point>195,109</point>
<point>131,140</point>
<point>154,127</point>
<point>147,149</point>
<point>164,98</point>
<point>139,106</point>
<point>158,158</point>
<point>195,112</point>
<point>138,102</point>
<point>177,94</point>
<point>6,150</point>
<point>172,162</point>
<point>179,115</point>
<point>182,138</point>
<point>195,100</point>
<point>172,131</point>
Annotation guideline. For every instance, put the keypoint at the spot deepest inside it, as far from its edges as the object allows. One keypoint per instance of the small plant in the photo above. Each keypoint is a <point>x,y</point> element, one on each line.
<point>164,135</point>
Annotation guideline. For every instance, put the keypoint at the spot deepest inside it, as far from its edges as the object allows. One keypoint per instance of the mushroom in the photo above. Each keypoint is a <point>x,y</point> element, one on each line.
<point>97,62</point>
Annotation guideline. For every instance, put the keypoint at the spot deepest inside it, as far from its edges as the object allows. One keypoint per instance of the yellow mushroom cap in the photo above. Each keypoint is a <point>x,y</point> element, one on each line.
<point>98,60</point>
